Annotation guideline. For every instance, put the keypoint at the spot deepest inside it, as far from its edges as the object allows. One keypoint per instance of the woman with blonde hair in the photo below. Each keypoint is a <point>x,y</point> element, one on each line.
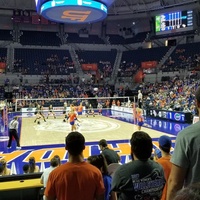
<point>4,169</point>
<point>33,168</point>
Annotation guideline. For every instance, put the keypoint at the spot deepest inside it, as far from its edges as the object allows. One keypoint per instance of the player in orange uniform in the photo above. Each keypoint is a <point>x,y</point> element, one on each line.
<point>140,118</point>
<point>72,118</point>
<point>80,109</point>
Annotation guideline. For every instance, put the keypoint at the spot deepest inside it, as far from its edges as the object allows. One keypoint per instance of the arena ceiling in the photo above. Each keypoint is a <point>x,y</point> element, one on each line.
<point>127,8</point>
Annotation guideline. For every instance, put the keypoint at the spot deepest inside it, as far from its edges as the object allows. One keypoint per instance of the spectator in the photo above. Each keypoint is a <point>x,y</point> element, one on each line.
<point>99,161</point>
<point>185,159</point>
<point>58,159</point>
<point>165,146</point>
<point>76,179</point>
<point>1,169</point>
<point>26,168</point>
<point>33,168</point>
<point>4,169</point>
<point>53,164</point>
<point>141,178</point>
<point>110,155</point>
<point>191,192</point>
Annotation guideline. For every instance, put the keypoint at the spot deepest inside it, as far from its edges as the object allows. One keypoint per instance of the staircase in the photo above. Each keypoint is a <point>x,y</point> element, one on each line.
<point>75,60</point>
<point>166,56</point>
<point>10,58</point>
<point>116,65</point>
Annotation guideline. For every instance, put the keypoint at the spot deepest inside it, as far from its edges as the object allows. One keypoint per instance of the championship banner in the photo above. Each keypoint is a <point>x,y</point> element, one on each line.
<point>149,64</point>
<point>88,67</point>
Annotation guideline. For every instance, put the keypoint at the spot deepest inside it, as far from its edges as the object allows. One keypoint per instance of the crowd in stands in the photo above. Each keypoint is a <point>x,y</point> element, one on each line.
<point>185,56</point>
<point>127,69</point>
<point>3,59</point>
<point>43,61</point>
<point>175,94</point>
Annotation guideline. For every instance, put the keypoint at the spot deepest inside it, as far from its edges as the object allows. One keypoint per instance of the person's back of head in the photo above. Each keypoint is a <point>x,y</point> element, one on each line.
<point>75,143</point>
<point>3,166</point>
<point>99,161</point>
<point>141,145</point>
<point>54,162</point>
<point>165,143</point>
<point>103,143</point>
<point>1,169</point>
<point>191,192</point>
<point>58,159</point>
<point>26,168</point>
<point>31,165</point>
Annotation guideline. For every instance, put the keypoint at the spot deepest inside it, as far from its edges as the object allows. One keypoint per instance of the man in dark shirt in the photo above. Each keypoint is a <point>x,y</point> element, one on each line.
<point>142,178</point>
<point>110,155</point>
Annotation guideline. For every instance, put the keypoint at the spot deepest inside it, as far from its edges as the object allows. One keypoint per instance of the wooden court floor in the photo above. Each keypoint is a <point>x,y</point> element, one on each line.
<point>54,131</point>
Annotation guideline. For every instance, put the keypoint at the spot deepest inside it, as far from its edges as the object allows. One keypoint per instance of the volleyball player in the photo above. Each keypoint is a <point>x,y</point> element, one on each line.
<point>80,109</point>
<point>65,112</point>
<point>51,112</point>
<point>140,118</point>
<point>39,114</point>
<point>99,106</point>
<point>72,117</point>
<point>90,111</point>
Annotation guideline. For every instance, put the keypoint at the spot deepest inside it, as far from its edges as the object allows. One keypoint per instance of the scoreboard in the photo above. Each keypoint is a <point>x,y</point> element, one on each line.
<point>174,22</point>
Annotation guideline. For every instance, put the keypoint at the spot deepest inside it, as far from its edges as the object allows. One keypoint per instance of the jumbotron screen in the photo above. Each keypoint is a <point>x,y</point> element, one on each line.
<point>174,22</point>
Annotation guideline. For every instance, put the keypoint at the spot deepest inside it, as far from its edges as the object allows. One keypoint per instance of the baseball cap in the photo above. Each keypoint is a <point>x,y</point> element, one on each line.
<point>165,141</point>
<point>103,142</point>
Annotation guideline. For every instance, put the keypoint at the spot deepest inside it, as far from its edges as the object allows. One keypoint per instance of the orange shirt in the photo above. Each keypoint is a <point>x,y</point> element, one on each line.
<point>75,181</point>
<point>167,165</point>
<point>72,117</point>
<point>80,108</point>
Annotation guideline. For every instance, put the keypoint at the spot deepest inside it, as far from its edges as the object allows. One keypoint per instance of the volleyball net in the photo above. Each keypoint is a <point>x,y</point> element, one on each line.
<point>59,104</point>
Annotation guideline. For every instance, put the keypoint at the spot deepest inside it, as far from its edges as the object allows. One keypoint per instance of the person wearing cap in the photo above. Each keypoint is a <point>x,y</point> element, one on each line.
<point>186,156</point>
<point>165,144</point>
<point>110,155</point>
<point>76,179</point>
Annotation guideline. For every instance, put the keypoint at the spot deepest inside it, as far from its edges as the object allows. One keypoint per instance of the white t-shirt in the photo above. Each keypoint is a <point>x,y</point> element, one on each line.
<point>45,175</point>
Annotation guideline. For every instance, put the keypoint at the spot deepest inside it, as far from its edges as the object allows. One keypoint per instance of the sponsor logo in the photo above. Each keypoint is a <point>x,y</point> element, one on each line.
<point>177,116</point>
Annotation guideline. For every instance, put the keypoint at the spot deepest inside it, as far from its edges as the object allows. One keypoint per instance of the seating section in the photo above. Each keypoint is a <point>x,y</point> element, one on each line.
<point>3,54</point>
<point>104,59</point>
<point>40,38</point>
<point>43,61</point>
<point>131,60</point>
<point>5,35</point>
<point>185,56</point>
<point>91,39</point>
<point>117,39</point>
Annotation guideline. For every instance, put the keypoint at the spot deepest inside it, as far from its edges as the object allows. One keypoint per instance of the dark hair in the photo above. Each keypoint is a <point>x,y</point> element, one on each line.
<point>103,143</point>
<point>31,165</point>
<point>190,192</point>
<point>26,168</point>
<point>54,162</point>
<point>99,161</point>
<point>1,169</point>
<point>141,145</point>
<point>57,157</point>
<point>75,143</point>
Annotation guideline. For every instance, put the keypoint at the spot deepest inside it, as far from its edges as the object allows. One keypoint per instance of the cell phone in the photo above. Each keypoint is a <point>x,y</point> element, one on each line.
<point>158,153</point>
